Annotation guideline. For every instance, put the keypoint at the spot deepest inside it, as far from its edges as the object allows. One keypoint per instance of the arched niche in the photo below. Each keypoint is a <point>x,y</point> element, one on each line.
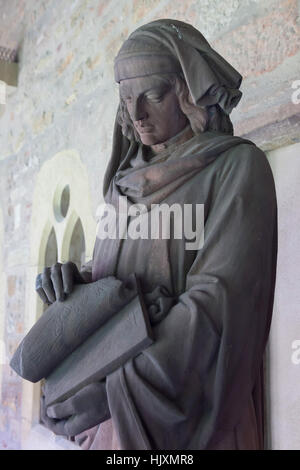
<point>74,244</point>
<point>77,245</point>
<point>51,253</point>
<point>61,216</point>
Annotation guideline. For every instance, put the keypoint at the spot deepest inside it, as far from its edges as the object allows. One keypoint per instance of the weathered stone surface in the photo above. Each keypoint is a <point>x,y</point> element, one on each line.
<point>275,134</point>
<point>265,42</point>
<point>9,73</point>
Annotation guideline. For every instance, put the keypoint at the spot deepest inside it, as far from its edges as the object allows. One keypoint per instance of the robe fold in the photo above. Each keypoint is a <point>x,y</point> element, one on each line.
<point>199,385</point>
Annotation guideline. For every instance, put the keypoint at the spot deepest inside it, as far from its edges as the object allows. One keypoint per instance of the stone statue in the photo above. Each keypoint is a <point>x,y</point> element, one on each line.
<point>200,384</point>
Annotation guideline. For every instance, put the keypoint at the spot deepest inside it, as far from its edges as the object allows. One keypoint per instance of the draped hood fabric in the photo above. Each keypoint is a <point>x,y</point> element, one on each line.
<point>152,182</point>
<point>209,77</point>
<point>199,385</point>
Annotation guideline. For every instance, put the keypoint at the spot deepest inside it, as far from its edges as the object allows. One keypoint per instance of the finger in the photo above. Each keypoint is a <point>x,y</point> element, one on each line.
<point>81,422</point>
<point>56,426</point>
<point>56,278</point>
<point>75,425</point>
<point>47,285</point>
<point>38,281</point>
<point>70,275</point>
<point>43,296</point>
<point>93,399</point>
<point>86,420</point>
<point>78,403</point>
<point>39,289</point>
<point>95,391</point>
<point>67,271</point>
<point>62,410</point>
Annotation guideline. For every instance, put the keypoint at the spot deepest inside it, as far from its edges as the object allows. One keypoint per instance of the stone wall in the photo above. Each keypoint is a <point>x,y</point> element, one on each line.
<point>284,344</point>
<point>66,100</point>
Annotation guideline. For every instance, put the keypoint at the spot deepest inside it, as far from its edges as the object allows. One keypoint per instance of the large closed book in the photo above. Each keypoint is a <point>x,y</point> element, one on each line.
<point>66,325</point>
<point>121,338</point>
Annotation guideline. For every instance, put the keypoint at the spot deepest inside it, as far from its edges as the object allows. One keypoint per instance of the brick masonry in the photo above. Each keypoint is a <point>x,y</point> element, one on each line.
<point>66,98</point>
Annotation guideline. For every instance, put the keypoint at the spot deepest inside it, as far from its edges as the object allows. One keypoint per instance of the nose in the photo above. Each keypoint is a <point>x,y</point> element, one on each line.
<point>138,110</point>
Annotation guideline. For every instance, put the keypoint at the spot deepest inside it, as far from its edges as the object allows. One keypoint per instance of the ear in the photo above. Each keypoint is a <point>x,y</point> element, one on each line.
<point>197,115</point>
<point>184,97</point>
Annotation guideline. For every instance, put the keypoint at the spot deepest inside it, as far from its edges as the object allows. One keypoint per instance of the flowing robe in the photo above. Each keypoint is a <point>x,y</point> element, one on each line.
<point>200,385</point>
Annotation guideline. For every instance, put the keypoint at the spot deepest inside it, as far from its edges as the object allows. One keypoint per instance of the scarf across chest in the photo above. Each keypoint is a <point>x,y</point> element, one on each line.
<point>150,181</point>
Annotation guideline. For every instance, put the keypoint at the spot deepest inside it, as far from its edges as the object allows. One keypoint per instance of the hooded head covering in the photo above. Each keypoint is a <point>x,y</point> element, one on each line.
<point>144,56</point>
<point>165,46</point>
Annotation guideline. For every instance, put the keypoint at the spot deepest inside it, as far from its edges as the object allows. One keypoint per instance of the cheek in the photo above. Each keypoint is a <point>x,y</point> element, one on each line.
<point>169,108</point>
<point>168,118</point>
<point>163,113</point>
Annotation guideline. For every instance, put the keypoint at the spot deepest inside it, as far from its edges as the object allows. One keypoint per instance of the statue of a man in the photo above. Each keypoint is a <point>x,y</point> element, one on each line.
<point>199,385</point>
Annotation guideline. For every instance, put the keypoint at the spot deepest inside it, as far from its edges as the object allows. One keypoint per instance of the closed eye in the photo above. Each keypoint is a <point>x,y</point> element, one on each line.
<point>157,95</point>
<point>155,98</point>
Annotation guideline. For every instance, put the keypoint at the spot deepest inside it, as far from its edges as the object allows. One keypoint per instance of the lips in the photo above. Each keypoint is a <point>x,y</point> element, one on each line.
<point>144,129</point>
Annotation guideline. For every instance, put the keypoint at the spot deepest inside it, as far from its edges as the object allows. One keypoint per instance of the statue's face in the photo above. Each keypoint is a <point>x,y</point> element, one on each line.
<point>153,108</point>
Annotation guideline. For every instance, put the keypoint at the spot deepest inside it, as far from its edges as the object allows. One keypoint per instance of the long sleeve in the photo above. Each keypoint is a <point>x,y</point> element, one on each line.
<point>194,382</point>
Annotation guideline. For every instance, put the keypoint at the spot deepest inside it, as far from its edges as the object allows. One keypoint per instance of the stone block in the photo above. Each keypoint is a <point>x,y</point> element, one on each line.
<point>11,285</point>
<point>265,42</point>
<point>142,8</point>
<point>9,72</point>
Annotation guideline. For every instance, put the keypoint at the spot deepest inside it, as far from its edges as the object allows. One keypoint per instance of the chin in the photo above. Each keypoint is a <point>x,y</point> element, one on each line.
<point>149,139</point>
